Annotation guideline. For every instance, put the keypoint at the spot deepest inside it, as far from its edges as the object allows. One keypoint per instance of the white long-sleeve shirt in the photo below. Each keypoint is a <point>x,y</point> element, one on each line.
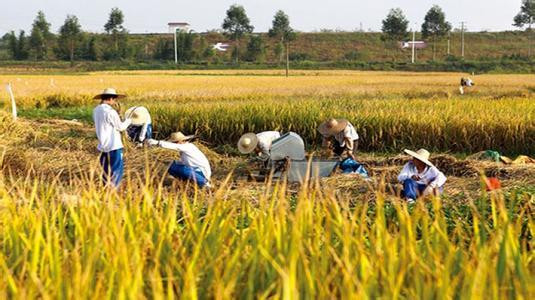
<point>190,156</point>
<point>108,126</point>
<point>431,176</point>
<point>265,139</point>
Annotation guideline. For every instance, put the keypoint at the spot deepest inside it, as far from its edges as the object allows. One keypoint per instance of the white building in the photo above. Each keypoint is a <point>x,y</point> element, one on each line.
<point>173,26</point>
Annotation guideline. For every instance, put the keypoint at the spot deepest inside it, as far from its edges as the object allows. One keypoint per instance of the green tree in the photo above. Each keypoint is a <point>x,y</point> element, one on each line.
<point>70,36</point>
<point>281,29</point>
<point>255,49</point>
<point>118,35</point>
<point>236,25</point>
<point>92,50</point>
<point>17,45</point>
<point>164,49</point>
<point>184,45</point>
<point>40,37</point>
<point>435,26</point>
<point>526,16</point>
<point>395,25</point>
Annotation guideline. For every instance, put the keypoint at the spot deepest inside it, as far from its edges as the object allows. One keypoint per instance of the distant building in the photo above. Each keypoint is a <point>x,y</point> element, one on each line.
<point>173,26</point>
<point>417,45</point>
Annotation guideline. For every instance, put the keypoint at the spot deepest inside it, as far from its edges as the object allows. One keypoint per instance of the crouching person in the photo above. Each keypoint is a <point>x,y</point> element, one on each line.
<point>259,143</point>
<point>193,164</point>
<point>420,177</point>
<point>340,136</point>
<point>141,127</point>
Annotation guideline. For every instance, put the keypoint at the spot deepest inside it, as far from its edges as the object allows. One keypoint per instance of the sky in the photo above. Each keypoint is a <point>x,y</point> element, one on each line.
<point>305,15</point>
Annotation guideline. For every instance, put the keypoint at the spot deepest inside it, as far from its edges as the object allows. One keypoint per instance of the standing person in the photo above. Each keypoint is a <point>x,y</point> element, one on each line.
<point>259,143</point>
<point>339,136</point>
<point>193,164</point>
<point>141,127</point>
<point>108,126</point>
<point>420,177</point>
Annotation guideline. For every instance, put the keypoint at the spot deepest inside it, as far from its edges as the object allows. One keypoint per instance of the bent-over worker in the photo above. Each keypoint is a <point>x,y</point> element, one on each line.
<point>141,127</point>
<point>193,164</point>
<point>108,126</point>
<point>340,136</point>
<point>420,177</point>
<point>465,82</point>
<point>259,143</point>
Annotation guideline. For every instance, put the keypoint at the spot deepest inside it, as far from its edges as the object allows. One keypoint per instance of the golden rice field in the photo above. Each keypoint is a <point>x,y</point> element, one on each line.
<point>63,235</point>
<point>390,110</point>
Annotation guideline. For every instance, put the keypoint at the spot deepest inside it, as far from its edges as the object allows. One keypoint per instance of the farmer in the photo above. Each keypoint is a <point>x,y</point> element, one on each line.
<point>259,143</point>
<point>108,126</point>
<point>339,136</point>
<point>465,82</point>
<point>193,164</point>
<point>420,177</point>
<point>141,127</point>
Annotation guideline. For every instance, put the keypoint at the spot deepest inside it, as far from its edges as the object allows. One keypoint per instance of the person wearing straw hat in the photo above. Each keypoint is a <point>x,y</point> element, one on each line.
<point>340,136</point>
<point>259,143</point>
<point>141,127</point>
<point>108,126</point>
<point>420,177</point>
<point>193,164</point>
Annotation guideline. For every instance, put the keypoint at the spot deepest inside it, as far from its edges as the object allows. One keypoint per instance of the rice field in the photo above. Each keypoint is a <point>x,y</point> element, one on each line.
<point>62,235</point>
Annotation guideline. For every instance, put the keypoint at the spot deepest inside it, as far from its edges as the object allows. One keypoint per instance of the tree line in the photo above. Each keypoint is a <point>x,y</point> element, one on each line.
<point>71,43</point>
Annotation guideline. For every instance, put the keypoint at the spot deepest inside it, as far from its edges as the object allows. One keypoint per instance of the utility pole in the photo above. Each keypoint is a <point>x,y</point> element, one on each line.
<point>449,38</point>
<point>530,34</point>
<point>413,46</point>
<point>176,53</point>
<point>462,39</point>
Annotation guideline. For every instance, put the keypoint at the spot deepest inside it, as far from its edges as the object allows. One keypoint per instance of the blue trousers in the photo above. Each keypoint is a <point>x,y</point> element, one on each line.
<point>112,163</point>
<point>134,132</point>
<point>187,173</point>
<point>412,189</point>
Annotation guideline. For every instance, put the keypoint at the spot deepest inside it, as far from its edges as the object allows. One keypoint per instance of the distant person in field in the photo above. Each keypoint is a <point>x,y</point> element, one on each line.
<point>465,83</point>
<point>339,136</point>
<point>259,143</point>
<point>108,126</point>
<point>193,165</point>
<point>420,177</point>
<point>141,127</point>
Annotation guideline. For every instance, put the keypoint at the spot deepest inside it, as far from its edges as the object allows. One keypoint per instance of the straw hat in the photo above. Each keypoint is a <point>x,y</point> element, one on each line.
<point>108,92</point>
<point>332,126</point>
<point>421,155</point>
<point>139,115</point>
<point>179,137</point>
<point>247,143</point>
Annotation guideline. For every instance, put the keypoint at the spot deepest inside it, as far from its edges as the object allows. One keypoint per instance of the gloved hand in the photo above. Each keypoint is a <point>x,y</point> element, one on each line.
<point>152,142</point>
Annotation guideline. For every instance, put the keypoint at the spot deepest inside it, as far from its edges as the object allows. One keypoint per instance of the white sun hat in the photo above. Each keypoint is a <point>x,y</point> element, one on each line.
<point>108,92</point>
<point>139,115</point>
<point>247,143</point>
<point>421,155</point>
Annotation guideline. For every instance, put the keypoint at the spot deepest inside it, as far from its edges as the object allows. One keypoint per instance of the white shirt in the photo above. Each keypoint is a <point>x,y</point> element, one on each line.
<point>431,176</point>
<point>190,156</point>
<point>349,132</point>
<point>265,139</point>
<point>108,126</point>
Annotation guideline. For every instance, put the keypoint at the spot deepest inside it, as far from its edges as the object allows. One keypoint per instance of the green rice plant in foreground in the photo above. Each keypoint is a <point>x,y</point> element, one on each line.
<point>78,240</point>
